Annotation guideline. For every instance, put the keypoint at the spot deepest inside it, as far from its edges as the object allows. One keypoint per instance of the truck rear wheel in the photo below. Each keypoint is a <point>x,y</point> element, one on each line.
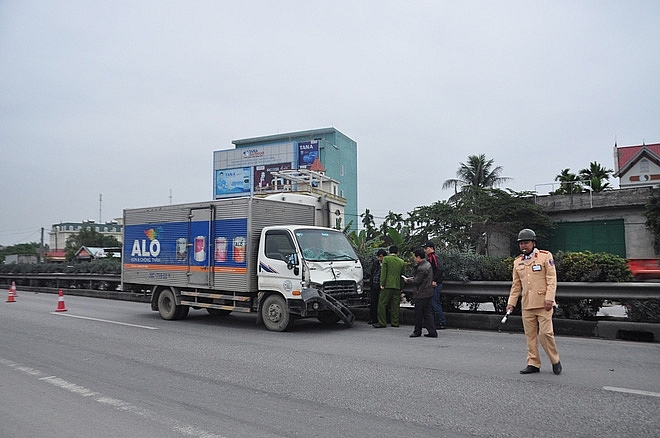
<point>167,307</point>
<point>275,314</point>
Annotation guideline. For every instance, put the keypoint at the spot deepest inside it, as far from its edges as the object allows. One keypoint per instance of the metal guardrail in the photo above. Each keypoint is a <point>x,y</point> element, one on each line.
<point>63,276</point>
<point>605,291</point>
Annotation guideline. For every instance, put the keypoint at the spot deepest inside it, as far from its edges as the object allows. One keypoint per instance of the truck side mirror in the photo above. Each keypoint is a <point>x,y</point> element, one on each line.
<point>292,263</point>
<point>291,260</point>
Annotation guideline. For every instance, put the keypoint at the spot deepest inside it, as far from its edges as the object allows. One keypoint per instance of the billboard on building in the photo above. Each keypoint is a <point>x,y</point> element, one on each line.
<point>308,152</point>
<point>233,182</point>
<point>264,178</point>
<point>254,156</point>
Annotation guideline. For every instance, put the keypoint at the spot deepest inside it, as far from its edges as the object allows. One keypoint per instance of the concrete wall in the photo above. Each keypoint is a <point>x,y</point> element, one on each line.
<point>627,204</point>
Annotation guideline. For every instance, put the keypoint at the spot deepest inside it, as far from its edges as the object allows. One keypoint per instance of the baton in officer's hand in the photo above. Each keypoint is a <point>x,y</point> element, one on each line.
<point>508,312</point>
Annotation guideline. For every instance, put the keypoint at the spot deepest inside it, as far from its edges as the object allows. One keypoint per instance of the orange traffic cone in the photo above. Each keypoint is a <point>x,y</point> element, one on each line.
<point>10,297</point>
<point>60,303</point>
<point>12,289</point>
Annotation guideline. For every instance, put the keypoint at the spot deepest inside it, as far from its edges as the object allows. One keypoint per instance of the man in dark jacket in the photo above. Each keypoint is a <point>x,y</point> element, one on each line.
<point>438,277</point>
<point>422,296</point>
<point>374,292</point>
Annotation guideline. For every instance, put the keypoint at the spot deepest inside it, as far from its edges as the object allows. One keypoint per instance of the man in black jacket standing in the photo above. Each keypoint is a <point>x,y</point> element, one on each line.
<point>423,279</point>
<point>438,277</point>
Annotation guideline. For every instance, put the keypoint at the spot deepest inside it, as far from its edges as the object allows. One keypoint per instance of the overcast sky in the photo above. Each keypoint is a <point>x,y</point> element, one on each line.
<point>129,99</point>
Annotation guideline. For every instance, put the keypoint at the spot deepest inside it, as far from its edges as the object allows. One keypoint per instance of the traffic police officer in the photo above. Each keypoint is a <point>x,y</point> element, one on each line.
<point>535,279</point>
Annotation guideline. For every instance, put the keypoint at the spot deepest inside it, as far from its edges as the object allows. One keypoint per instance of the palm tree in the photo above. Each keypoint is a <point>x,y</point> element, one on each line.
<point>568,183</point>
<point>369,224</point>
<point>392,220</point>
<point>596,174</point>
<point>477,172</point>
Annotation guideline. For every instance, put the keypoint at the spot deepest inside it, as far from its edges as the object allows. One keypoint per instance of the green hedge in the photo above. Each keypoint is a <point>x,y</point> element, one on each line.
<point>459,266</point>
<point>99,266</point>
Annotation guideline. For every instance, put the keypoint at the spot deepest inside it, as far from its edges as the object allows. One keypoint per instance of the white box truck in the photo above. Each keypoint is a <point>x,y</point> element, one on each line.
<point>241,255</point>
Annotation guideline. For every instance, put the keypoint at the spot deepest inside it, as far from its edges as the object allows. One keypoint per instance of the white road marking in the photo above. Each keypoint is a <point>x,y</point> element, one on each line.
<point>631,391</point>
<point>120,405</point>
<point>105,320</point>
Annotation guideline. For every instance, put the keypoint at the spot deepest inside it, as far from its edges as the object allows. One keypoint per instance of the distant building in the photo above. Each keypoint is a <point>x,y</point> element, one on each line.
<point>61,232</point>
<point>55,256</point>
<point>319,162</point>
<point>637,166</point>
<point>20,259</point>
<point>610,221</point>
<point>91,253</point>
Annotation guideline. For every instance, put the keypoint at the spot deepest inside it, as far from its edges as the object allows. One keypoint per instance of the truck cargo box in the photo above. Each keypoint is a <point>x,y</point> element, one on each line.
<point>206,245</point>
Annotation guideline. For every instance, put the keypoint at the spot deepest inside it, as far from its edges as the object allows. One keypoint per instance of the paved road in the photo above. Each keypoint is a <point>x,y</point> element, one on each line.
<point>115,369</point>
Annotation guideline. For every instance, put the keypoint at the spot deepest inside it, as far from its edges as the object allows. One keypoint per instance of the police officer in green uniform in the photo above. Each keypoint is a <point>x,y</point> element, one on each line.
<point>391,285</point>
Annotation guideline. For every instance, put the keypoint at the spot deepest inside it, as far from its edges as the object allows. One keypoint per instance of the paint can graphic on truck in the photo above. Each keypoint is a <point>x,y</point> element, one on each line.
<point>181,249</point>
<point>221,249</point>
<point>200,248</point>
<point>238,249</point>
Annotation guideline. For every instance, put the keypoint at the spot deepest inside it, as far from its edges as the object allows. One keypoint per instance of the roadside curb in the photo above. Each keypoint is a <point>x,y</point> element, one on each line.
<point>623,330</point>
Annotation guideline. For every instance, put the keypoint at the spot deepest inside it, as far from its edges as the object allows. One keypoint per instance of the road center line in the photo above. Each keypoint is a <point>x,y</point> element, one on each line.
<point>631,391</point>
<point>105,320</point>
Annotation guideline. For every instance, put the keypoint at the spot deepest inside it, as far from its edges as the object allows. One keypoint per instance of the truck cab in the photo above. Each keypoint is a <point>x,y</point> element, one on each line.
<point>307,271</point>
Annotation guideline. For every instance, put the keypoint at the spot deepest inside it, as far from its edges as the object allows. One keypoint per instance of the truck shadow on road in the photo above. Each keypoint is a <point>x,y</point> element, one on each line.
<point>249,322</point>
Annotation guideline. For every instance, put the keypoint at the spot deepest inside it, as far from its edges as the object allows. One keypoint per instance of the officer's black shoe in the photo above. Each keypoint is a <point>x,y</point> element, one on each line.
<point>556,368</point>
<point>530,369</point>
<point>415,335</point>
<point>429,335</point>
<point>378,326</point>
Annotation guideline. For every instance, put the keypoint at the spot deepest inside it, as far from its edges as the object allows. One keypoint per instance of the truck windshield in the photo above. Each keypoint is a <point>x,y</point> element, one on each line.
<point>324,245</point>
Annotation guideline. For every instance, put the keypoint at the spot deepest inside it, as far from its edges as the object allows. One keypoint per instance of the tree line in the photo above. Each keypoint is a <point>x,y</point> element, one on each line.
<point>477,211</point>
<point>87,236</point>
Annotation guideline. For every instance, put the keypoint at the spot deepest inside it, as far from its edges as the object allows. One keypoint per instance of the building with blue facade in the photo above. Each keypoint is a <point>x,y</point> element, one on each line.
<point>320,162</point>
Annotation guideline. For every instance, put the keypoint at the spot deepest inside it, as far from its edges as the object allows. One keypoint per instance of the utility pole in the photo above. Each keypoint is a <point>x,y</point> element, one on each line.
<point>100,207</point>
<point>41,246</point>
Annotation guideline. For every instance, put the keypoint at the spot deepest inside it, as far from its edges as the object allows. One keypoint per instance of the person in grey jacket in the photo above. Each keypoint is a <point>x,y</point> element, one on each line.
<point>423,295</point>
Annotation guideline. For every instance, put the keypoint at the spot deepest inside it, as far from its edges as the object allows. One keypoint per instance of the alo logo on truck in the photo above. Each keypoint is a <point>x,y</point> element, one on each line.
<point>152,249</point>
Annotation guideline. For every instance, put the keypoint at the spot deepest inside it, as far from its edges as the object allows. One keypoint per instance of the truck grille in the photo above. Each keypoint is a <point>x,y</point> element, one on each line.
<point>340,290</point>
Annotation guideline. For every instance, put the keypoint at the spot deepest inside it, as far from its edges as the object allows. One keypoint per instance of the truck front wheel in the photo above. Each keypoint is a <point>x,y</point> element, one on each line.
<point>167,307</point>
<point>275,314</point>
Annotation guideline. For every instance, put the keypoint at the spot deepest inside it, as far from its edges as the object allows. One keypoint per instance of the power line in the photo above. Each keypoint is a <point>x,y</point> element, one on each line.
<point>7,235</point>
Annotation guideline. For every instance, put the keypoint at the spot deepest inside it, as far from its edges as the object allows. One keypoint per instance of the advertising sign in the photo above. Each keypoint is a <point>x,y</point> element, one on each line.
<point>308,152</point>
<point>263,177</point>
<point>233,182</point>
<point>183,244</point>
